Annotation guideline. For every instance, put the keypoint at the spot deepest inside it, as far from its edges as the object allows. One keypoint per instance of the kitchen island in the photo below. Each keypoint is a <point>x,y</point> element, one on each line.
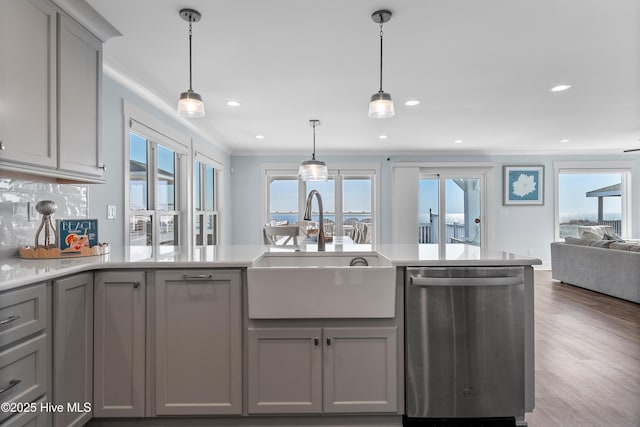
<point>186,345</point>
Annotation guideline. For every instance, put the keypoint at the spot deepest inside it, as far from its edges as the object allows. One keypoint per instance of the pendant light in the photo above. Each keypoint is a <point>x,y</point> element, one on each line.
<point>313,170</point>
<point>381,105</point>
<point>190,103</point>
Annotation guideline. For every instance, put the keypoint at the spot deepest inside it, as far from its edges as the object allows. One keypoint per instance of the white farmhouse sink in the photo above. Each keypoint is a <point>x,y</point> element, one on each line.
<point>321,285</point>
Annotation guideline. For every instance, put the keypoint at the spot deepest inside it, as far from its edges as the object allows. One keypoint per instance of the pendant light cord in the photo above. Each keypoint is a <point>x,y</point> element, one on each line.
<point>381,52</point>
<point>190,35</point>
<point>313,155</point>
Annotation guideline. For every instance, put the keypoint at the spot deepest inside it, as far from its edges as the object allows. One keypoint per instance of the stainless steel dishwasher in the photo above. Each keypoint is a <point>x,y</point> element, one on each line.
<point>464,342</point>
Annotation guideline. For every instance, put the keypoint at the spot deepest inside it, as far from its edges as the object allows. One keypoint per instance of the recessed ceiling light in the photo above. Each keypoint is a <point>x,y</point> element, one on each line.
<point>412,102</point>
<point>259,136</point>
<point>560,88</point>
<point>457,141</point>
<point>383,136</point>
<point>233,103</point>
<point>565,140</point>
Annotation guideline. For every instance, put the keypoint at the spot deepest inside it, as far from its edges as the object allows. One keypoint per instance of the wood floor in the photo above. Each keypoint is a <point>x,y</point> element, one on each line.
<point>587,357</point>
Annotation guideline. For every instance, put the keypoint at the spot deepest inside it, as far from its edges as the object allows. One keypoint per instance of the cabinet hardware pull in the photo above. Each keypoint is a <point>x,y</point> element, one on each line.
<point>9,320</point>
<point>1,145</point>
<point>316,341</point>
<point>196,276</point>
<point>103,167</point>
<point>328,341</point>
<point>135,284</point>
<point>11,385</point>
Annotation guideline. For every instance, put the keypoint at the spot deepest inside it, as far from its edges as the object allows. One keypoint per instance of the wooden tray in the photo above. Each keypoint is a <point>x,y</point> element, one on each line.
<point>30,252</point>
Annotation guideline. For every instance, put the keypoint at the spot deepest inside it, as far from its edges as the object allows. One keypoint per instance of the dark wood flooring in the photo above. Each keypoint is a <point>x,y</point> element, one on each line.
<point>587,357</point>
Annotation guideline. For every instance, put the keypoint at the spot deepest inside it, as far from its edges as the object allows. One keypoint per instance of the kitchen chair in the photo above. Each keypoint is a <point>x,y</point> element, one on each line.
<point>280,234</point>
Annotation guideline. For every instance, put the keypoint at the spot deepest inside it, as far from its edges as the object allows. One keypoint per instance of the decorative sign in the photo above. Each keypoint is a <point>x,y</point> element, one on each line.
<point>76,234</point>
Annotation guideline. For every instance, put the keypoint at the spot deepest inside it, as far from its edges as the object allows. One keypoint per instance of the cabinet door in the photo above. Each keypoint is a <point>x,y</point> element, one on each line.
<point>79,97</point>
<point>73,347</point>
<point>285,370</point>
<point>27,82</point>
<point>360,369</point>
<point>198,342</point>
<point>119,344</point>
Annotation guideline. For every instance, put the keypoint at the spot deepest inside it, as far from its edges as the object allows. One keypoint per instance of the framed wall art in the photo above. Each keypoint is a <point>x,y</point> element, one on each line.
<point>523,185</point>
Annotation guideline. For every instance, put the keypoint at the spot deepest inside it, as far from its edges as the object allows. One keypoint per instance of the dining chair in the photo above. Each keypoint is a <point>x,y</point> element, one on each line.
<point>280,234</point>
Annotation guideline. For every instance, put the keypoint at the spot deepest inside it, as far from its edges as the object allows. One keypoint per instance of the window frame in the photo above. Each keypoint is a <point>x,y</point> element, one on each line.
<point>215,214</point>
<point>158,133</point>
<point>627,169</point>
<point>338,173</point>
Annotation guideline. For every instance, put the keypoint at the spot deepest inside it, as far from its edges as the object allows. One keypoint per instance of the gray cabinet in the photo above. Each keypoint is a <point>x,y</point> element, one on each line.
<point>28,83</point>
<point>198,358</point>
<point>73,346</point>
<point>79,99</point>
<point>50,87</point>
<point>119,344</point>
<point>25,355</point>
<point>330,370</point>
<point>285,370</point>
<point>360,370</point>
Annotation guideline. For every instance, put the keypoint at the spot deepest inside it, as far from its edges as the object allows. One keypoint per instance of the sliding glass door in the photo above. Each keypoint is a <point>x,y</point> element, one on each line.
<point>450,209</point>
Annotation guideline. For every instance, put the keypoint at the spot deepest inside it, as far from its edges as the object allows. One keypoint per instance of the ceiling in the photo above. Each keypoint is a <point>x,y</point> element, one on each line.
<point>481,69</point>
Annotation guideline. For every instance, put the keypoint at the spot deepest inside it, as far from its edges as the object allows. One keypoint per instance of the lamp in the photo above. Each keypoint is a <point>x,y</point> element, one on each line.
<point>381,105</point>
<point>190,103</point>
<point>313,170</point>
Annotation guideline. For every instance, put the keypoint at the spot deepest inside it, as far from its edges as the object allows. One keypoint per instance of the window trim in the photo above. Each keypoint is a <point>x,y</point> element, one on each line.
<point>626,168</point>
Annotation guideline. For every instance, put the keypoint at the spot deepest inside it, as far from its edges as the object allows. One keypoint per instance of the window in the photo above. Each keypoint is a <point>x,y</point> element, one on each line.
<point>156,185</point>
<point>348,198</point>
<point>153,217</point>
<point>593,193</point>
<point>205,201</point>
<point>283,199</point>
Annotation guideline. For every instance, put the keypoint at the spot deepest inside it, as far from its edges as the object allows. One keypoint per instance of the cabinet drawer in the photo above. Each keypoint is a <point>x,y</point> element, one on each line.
<point>22,313</point>
<point>23,372</point>
<point>30,419</point>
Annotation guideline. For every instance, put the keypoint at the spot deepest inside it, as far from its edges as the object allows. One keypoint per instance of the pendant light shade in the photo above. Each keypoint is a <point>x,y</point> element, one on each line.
<point>313,170</point>
<point>381,105</point>
<point>190,103</point>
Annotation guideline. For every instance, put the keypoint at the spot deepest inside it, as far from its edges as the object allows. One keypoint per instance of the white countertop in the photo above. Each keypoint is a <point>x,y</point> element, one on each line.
<point>17,272</point>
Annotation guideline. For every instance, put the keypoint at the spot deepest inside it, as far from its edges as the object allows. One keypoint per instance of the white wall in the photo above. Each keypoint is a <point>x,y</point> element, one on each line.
<point>519,229</point>
<point>112,192</point>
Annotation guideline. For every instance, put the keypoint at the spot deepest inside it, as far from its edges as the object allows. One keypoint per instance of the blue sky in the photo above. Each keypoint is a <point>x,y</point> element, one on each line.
<point>573,188</point>
<point>357,195</point>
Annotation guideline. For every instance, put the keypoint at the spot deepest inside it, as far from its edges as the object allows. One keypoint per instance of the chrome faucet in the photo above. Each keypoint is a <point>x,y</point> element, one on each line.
<point>307,217</point>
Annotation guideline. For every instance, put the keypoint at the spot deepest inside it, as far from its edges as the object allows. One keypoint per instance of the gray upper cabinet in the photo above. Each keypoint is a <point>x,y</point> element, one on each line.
<point>79,99</point>
<point>119,344</point>
<point>28,83</point>
<point>198,359</point>
<point>51,89</point>
<point>330,370</point>
<point>73,346</point>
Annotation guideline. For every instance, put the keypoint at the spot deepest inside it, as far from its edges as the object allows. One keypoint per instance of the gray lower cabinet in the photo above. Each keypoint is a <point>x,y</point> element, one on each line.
<point>73,347</point>
<point>285,370</point>
<point>119,344</point>
<point>322,370</point>
<point>198,344</point>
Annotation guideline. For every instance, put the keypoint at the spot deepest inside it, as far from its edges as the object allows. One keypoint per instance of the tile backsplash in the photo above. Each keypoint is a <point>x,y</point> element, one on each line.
<point>19,219</point>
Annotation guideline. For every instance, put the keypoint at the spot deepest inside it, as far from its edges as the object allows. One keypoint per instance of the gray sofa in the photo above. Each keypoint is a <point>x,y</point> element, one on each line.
<point>609,267</point>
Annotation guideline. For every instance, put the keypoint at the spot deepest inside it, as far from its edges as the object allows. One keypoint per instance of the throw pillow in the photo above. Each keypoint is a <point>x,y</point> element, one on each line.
<point>590,235</point>
<point>612,236</point>
<point>600,243</point>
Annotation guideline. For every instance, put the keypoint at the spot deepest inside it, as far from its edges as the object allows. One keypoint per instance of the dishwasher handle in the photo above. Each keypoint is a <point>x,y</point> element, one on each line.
<point>466,281</point>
